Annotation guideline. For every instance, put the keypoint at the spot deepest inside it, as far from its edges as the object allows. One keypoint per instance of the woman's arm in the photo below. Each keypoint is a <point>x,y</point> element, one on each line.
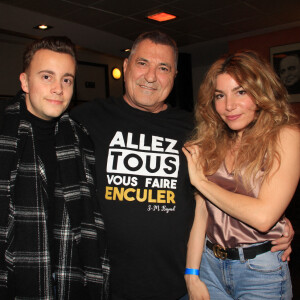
<point>275,194</point>
<point>196,288</point>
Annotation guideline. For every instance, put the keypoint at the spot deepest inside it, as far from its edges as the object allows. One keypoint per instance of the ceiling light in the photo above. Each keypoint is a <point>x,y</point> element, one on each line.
<point>42,27</point>
<point>161,17</point>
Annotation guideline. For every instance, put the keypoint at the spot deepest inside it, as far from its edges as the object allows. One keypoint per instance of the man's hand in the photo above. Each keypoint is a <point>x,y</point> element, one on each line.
<point>284,243</point>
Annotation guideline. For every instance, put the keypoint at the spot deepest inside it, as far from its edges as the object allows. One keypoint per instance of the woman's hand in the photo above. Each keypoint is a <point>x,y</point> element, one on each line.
<point>192,154</point>
<point>196,288</point>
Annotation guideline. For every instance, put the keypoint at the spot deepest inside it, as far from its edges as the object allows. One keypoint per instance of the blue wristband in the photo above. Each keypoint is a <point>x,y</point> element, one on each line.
<point>189,271</point>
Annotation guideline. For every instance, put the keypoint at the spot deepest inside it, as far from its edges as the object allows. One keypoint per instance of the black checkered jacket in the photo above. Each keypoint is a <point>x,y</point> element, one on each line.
<point>78,266</point>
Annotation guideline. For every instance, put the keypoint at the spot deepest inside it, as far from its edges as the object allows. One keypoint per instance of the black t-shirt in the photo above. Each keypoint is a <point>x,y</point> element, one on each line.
<point>145,194</point>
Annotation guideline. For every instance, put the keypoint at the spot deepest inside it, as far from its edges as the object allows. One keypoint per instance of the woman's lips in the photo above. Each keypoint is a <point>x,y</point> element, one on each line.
<point>233,117</point>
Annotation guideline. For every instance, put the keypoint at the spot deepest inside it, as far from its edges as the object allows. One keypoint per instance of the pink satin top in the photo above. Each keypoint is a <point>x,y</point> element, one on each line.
<point>227,231</point>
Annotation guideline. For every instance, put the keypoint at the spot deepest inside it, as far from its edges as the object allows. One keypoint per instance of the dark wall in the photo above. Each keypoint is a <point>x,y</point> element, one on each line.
<point>182,93</point>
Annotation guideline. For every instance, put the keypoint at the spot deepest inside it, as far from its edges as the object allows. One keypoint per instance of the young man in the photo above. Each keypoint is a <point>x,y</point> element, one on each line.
<point>143,183</point>
<point>51,230</point>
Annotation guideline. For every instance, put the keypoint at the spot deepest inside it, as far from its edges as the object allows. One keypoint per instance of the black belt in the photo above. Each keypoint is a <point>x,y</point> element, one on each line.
<point>233,253</point>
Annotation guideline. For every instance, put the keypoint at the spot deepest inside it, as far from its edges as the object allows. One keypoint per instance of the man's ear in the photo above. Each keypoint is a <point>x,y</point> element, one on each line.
<point>176,74</point>
<point>24,82</point>
<point>125,63</point>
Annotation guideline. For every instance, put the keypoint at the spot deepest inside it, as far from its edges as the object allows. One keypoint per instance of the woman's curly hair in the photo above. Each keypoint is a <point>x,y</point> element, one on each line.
<point>258,146</point>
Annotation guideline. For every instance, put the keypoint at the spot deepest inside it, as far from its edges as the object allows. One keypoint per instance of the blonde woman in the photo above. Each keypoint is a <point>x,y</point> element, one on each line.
<point>244,161</point>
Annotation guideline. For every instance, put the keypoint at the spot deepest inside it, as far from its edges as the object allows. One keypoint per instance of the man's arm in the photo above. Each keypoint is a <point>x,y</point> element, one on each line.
<point>284,243</point>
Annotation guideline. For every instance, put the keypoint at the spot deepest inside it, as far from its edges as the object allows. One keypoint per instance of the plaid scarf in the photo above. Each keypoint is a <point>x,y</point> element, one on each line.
<point>78,258</point>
